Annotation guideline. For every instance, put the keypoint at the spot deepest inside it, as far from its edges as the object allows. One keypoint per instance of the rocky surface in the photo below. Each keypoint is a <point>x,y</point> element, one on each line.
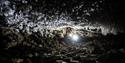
<point>26,36</point>
<point>20,47</point>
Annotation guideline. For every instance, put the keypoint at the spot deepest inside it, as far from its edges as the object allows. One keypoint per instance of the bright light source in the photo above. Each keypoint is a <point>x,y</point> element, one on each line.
<point>70,34</point>
<point>74,37</point>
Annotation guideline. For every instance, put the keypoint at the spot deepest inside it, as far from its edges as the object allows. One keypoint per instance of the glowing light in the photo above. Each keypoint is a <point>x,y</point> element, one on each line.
<point>74,37</point>
<point>70,35</point>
